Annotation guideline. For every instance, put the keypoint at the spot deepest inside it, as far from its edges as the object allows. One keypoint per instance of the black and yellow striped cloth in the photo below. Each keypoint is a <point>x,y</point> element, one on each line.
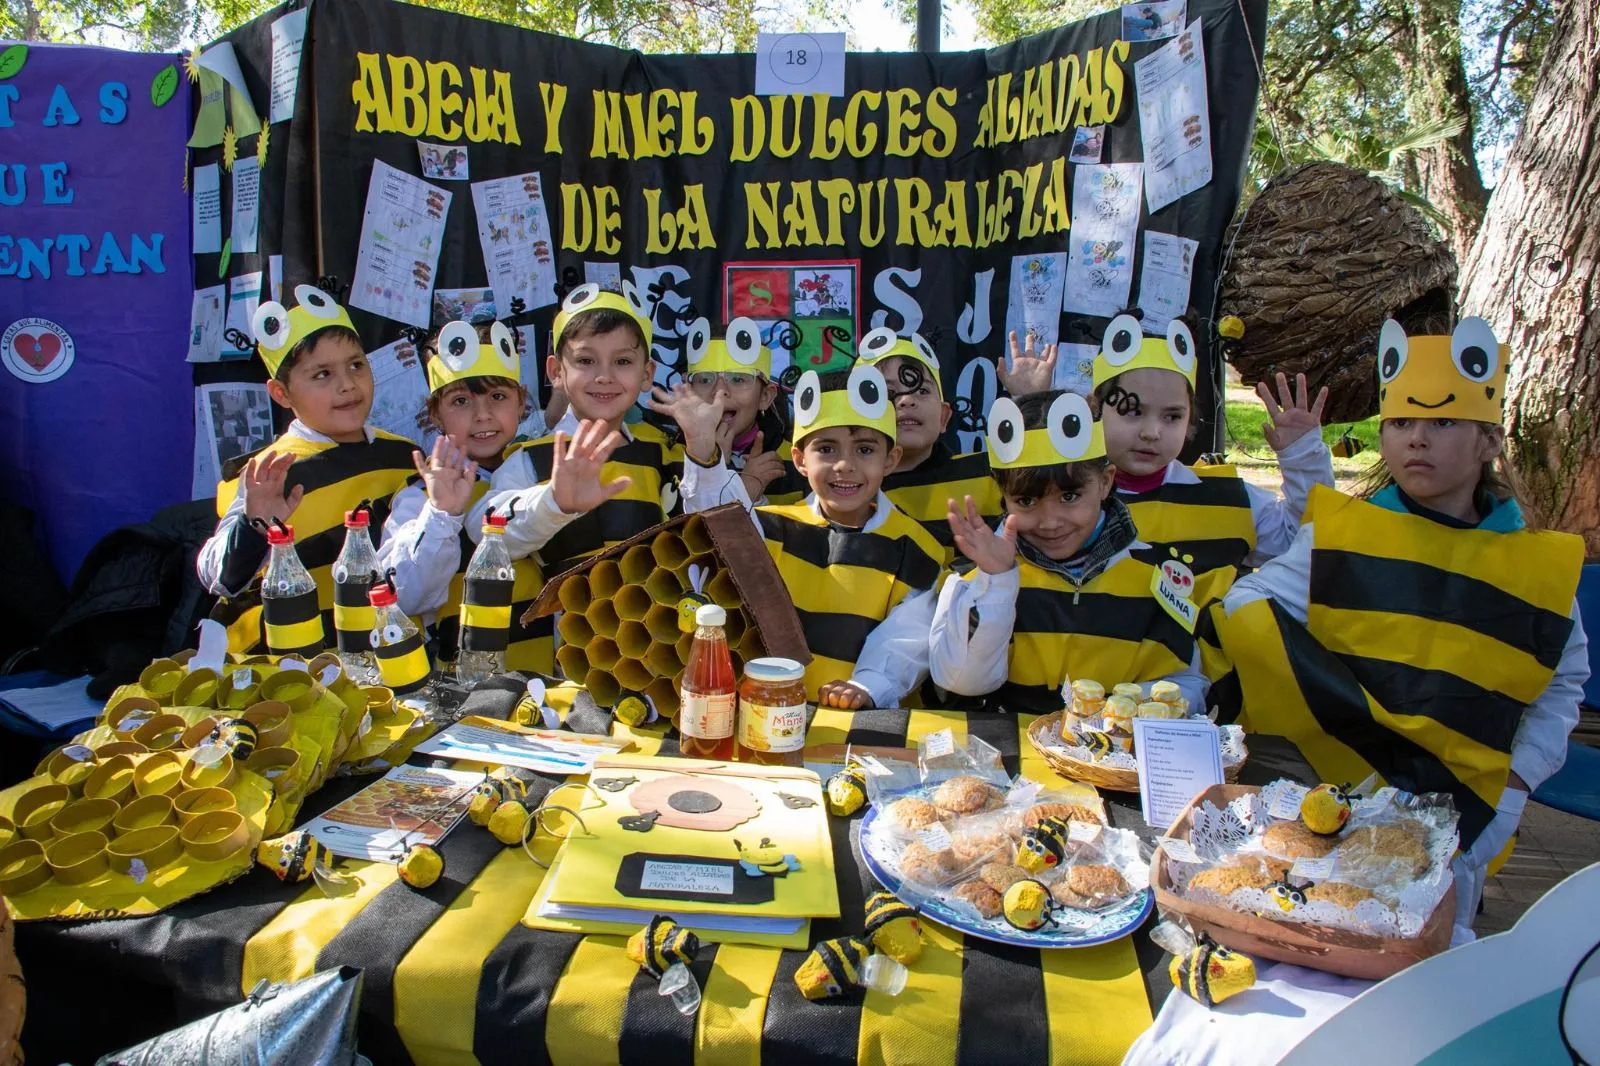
<point>453,978</point>
<point>925,492</point>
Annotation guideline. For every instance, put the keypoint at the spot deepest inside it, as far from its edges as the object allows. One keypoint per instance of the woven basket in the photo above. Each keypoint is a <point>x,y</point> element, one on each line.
<point>1113,778</point>
<point>1337,951</point>
<point>13,995</point>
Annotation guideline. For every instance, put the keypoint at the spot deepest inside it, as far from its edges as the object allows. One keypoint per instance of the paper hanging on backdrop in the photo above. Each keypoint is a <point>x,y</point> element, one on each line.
<point>244,296</point>
<point>1174,118</point>
<point>1033,306</point>
<point>400,393</point>
<point>800,63</point>
<point>1152,21</point>
<point>221,59</point>
<point>1164,279</point>
<point>475,305</point>
<point>207,209</point>
<point>207,320</point>
<point>230,420</point>
<point>401,234</point>
<point>1105,211</point>
<point>444,162</point>
<point>514,233</point>
<point>288,40</point>
<point>246,204</point>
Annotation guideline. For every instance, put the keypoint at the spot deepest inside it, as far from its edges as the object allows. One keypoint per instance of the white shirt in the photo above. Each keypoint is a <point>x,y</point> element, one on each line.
<point>214,553</point>
<point>975,660</point>
<point>1304,463</point>
<point>423,545</point>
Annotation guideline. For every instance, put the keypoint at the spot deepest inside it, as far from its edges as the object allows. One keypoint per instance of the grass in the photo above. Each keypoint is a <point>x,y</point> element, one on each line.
<point>1247,445</point>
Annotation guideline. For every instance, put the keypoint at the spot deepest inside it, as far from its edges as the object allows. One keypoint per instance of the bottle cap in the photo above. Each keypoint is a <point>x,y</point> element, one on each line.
<point>495,523</point>
<point>356,519</point>
<point>774,670</point>
<point>280,534</point>
<point>381,596</point>
<point>710,614</point>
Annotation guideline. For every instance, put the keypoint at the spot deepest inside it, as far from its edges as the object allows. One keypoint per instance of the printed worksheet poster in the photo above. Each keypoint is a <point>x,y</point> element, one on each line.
<point>1174,120</point>
<point>398,258</point>
<point>400,393</point>
<point>1105,223</point>
<point>514,231</point>
<point>1033,304</point>
<point>1164,278</point>
<point>230,419</point>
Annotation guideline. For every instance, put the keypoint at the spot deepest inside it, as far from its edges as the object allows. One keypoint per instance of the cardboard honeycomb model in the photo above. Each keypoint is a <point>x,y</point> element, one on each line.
<point>619,608</point>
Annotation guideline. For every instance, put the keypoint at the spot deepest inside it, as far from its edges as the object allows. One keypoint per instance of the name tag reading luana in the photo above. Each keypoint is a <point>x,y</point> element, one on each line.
<point>699,877</point>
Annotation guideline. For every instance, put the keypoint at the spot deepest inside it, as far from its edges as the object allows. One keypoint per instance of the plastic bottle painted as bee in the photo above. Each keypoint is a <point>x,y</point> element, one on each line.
<point>402,662</point>
<point>289,597</point>
<point>486,606</point>
<point>353,575</point>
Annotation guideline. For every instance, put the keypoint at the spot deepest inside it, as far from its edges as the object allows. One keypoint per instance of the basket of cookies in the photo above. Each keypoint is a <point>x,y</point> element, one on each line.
<point>1325,877</point>
<point>1091,740</point>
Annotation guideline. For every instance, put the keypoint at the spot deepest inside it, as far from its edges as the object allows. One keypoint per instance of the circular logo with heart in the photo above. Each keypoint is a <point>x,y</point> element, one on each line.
<point>36,350</point>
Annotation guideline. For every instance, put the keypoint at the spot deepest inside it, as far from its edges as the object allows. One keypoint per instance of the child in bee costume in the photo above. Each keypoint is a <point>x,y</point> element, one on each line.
<point>477,401</point>
<point>1426,633</point>
<point>861,572</point>
<point>1056,590</point>
<point>733,367</point>
<point>323,465</point>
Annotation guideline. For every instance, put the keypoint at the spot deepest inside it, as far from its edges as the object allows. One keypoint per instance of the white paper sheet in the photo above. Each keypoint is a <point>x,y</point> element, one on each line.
<point>1164,278</point>
<point>800,63</point>
<point>1179,758</point>
<point>207,209</point>
<point>206,317</point>
<point>1075,368</point>
<point>514,232</point>
<point>246,203</point>
<point>546,752</point>
<point>400,393</point>
<point>244,296</point>
<point>1174,118</point>
<point>54,707</point>
<point>222,59</point>
<point>398,258</point>
<point>230,419</point>
<point>275,273</point>
<point>288,38</point>
<point>1105,223</point>
<point>605,275</point>
<point>1152,20</point>
<point>532,427</point>
<point>1033,303</point>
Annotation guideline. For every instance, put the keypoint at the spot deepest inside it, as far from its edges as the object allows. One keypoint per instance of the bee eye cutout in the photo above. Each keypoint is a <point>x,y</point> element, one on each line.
<point>920,343</point>
<point>869,395</point>
<point>1122,340</point>
<point>581,297</point>
<point>744,341</point>
<point>458,345</point>
<point>1392,346</point>
<point>807,398</point>
<point>271,325</point>
<point>635,301</point>
<point>877,343</point>
<point>1071,425</point>
<point>1180,345</point>
<point>1005,429</point>
<point>698,340</point>
<point>392,634</point>
<point>504,345</point>
<point>315,301</point>
<point>1474,350</point>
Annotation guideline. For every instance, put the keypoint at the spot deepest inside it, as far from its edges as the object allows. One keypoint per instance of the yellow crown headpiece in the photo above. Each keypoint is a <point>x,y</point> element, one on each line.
<point>864,401</point>
<point>1125,348</point>
<point>462,355</point>
<point>1459,376</point>
<point>1069,434</point>
<point>592,297</point>
<point>278,330</point>
<point>738,350</point>
<point>884,343</point>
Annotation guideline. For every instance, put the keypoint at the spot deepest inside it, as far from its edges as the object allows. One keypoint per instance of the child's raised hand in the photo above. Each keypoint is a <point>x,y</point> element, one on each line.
<point>842,694</point>
<point>577,464</point>
<point>1289,415</point>
<point>761,468</point>
<point>448,475</point>
<point>994,553</point>
<point>1027,371</point>
<point>698,418</point>
<point>264,483</point>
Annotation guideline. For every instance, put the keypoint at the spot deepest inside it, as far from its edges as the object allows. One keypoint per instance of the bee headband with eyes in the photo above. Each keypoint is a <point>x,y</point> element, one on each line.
<point>462,355</point>
<point>1459,376</point>
<point>883,343</point>
<point>739,350</point>
<point>592,297</point>
<point>864,401</point>
<point>1069,434</point>
<point>1125,348</point>
<point>278,329</point>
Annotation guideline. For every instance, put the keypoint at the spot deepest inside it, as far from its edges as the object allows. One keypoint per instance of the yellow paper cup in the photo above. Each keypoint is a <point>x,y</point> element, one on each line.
<point>155,847</point>
<point>574,594</point>
<point>146,812</point>
<point>274,721</point>
<point>277,765</point>
<point>77,859</point>
<point>35,807</point>
<point>636,564</point>
<point>669,551</point>
<point>22,867</point>
<point>215,835</point>
<point>380,700</point>
<point>161,732</point>
<point>219,775</point>
<point>196,734</point>
<point>603,654</point>
<point>632,674</point>
<point>605,578</point>
<point>573,662</point>
<point>233,695</point>
<point>161,679</point>
<point>633,640</point>
<point>575,629</point>
<point>632,603</point>
<point>73,775</point>
<point>112,780</point>
<point>199,688</point>
<point>129,714</point>
<point>294,687</point>
<point>603,618</point>
<point>83,816</point>
<point>195,802</point>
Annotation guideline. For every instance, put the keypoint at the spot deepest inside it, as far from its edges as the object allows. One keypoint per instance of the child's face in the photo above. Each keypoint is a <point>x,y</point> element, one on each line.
<point>330,389</point>
<point>484,423</point>
<point>1435,460</point>
<point>845,467</point>
<point>921,414</point>
<point>743,396</point>
<point>1154,430</point>
<point>602,374</point>
<point>1059,523</point>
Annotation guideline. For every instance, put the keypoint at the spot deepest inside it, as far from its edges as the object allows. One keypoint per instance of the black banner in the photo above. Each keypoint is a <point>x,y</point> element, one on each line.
<point>909,201</point>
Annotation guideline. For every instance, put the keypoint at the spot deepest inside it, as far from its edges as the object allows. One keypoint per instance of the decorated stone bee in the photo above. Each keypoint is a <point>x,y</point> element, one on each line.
<point>893,928</point>
<point>421,866</point>
<point>1044,846</point>
<point>1026,905</point>
<point>1287,896</point>
<point>693,600</point>
<point>509,823</point>
<point>662,943</point>
<point>765,860</point>
<point>1210,973</point>
<point>1099,743</point>
<point>635,709</point>
<point>847,791</point>
<point>293,856</point>
<point>833,968</point>
<point>490,793</point>
<point>1325,809</point>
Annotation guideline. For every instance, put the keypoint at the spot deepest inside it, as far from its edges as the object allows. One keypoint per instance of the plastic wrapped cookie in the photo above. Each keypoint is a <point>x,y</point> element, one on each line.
<point>967,794</point>
<point>913,813</point>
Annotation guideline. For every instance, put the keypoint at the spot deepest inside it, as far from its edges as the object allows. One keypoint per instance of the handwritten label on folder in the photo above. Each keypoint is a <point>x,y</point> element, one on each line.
<point>1178,759</point>
<point>683,877</point>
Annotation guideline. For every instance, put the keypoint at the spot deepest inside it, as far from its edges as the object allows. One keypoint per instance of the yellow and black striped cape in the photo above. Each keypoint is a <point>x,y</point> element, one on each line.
<point>452,977</point>
<point>1422,648</point>
<point>335,477</point>
<point>1111,629</point>
<point>532,646</point>
<point>843,581</point>
<point>924,493</point>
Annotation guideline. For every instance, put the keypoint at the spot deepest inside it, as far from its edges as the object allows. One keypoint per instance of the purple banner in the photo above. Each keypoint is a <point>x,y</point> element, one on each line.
<point>96,401</point>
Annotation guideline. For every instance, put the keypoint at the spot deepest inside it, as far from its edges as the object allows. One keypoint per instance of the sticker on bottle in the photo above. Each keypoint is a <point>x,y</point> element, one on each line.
<point>763,727</point>
<point>706,716</point>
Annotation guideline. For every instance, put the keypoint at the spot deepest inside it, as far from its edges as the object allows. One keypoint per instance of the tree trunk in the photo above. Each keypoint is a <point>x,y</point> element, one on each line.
<point>1534,274</point>
<point>1449,171</point>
